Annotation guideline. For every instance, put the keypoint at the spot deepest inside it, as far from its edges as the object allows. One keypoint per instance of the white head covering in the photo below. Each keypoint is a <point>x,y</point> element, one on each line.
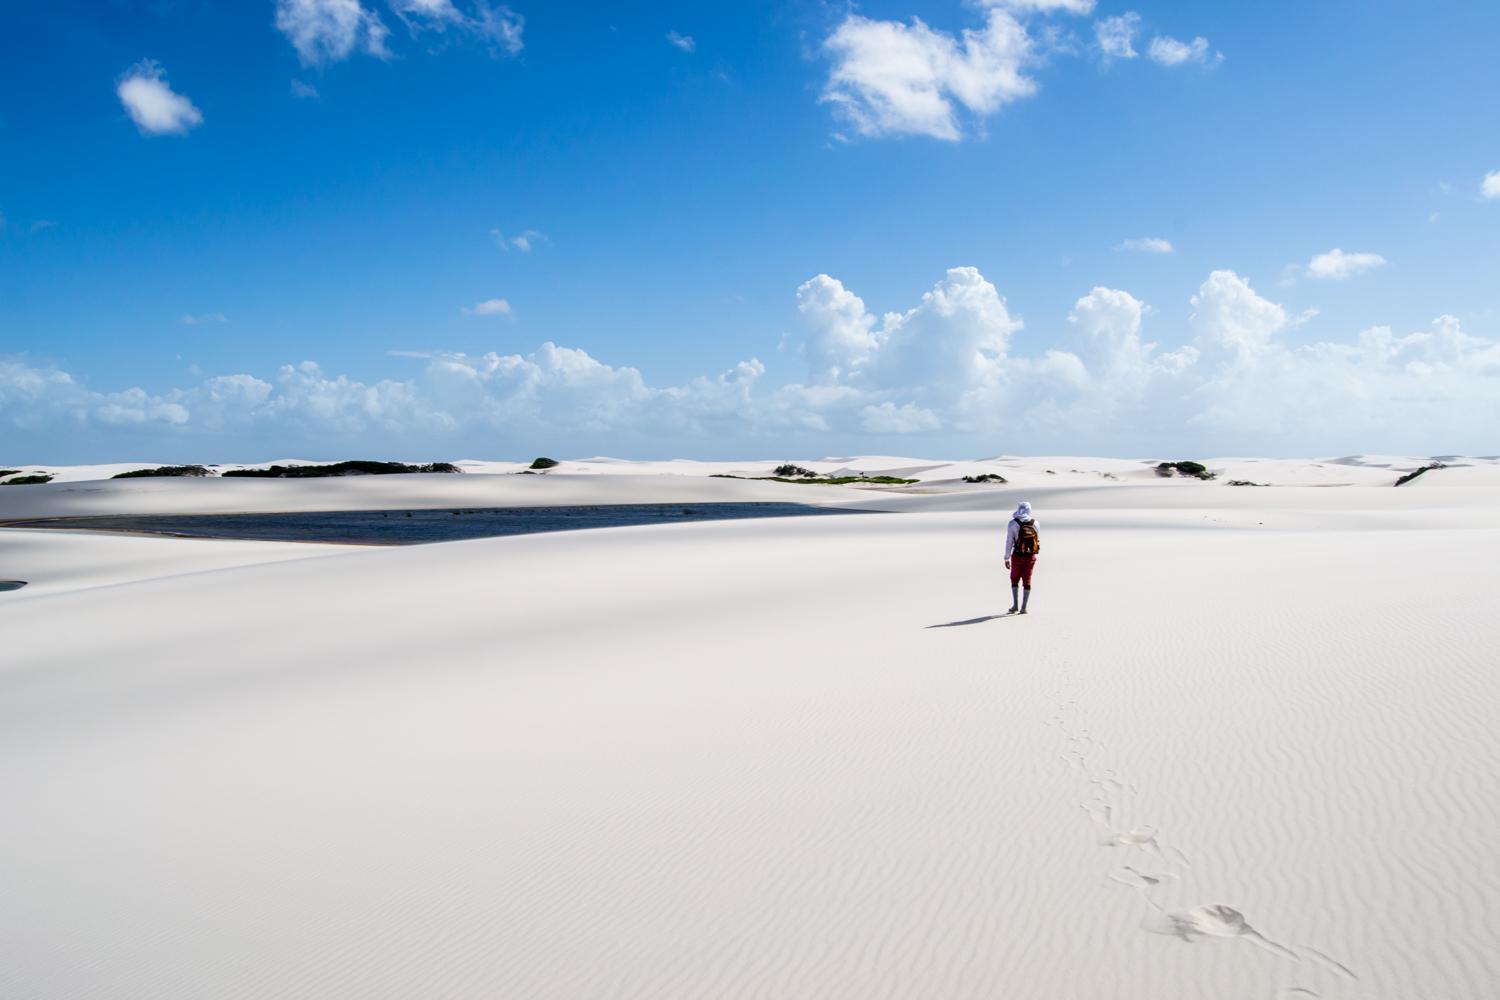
<point>1023,512</point>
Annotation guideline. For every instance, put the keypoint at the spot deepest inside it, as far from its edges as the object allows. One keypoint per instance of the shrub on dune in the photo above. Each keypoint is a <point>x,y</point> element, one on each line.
<point>1193,470</point>
<point>1417,472</point>
<point>36,480</point>
<point>355,468</point>
<point>822,480</point>
<point>544,463</point>
<point>165,470</point>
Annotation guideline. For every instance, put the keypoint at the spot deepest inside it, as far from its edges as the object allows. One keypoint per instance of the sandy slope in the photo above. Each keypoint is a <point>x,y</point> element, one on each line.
<point>735,760</point>
<point>56,561</point>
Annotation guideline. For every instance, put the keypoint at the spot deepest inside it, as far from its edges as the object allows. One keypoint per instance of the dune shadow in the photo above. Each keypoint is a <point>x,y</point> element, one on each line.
<point>970,621</point>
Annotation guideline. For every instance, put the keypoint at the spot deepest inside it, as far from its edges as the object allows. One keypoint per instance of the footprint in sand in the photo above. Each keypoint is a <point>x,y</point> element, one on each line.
<point>1214,921</point>
<point>1217,921</point>
<point>1127,875</point>
<point>1144,837</point>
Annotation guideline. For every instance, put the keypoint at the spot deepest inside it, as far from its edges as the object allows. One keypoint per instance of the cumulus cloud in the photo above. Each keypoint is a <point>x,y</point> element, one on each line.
<point>1489,188</point>
<point>489,307</point>
<point>899,78</point>
<point>1170,52</point>
<point>1115,36</point>
<point>1110,321</point>
<point>895,78</point>
<point>949,364</point>
<point>683,42</point>
<point>954,341</point>
<point>1230,319</point>
<point>1336,265</point>
<point>1147,244</point>
<point>152,104</point>
<point>324,31</point>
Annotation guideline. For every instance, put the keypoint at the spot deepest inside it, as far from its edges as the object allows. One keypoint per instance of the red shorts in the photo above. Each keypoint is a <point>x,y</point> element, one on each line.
<point>1020,570</point>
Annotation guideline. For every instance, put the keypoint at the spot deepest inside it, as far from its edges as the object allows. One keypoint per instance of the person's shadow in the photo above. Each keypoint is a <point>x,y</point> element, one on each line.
<point>970,621</point>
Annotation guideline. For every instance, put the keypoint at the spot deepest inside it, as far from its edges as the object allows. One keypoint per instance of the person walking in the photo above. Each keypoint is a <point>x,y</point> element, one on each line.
<point>1022,543</point>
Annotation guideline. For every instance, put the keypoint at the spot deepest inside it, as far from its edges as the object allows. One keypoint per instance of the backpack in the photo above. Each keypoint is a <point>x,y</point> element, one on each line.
<point>1027,541</point>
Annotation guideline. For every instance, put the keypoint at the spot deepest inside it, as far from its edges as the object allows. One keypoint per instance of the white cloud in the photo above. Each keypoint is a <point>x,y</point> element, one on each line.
<point>304,90</point>
<point>1489,188</point>
<point>523,242</point>
<point>500,26</point>
<point>1079,7</point>
<point>1147,244</point>
<point>946,365</point>
<point>1110,321</point>
<point>1336,265</point>
<point>154,106</point>
<point>1115,35</point>
<point>434,13</point>
<point>683,42</point>
<point>199,319</point>
<point>1170,52</point>
<point>893,78</point>
<point>888,418</point>
<point>1229,319</point>
<point>489,307</point>
<point>841,334</point>
<point>955,341</point>
<point>324,31</point>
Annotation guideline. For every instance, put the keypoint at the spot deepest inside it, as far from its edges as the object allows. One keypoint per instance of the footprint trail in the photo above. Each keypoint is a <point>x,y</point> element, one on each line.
<point>1149,861</point>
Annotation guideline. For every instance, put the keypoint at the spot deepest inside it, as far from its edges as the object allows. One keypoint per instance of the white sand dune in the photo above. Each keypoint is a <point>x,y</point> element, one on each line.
<point>218,496</point>
<point>1244,746</point>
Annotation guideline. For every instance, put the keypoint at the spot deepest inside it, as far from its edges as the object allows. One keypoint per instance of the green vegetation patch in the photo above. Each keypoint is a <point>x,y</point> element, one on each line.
<point>1192,470</point>
<point>165,470</point>
<point>544,463</point>
<point>28,480</point>
<point>825,481</point>
<point>988,477</point>
<point>844,480</point>
<point>8,472</point>
<point>790,471</point>
<point>1417,472</point>
<point>356,468</point>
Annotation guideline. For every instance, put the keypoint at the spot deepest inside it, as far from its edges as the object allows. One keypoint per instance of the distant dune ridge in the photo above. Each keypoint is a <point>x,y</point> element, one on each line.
<point>1243,745</point>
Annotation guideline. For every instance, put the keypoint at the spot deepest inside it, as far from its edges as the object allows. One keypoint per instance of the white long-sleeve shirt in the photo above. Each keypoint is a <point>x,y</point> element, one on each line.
<point>1012,531</point>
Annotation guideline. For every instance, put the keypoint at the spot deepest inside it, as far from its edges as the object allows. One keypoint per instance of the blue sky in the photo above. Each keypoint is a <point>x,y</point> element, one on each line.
<point>449,229</point>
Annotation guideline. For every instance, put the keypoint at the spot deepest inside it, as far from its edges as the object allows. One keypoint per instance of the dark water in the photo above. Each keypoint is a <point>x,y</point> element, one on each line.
<point>414,527</point>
